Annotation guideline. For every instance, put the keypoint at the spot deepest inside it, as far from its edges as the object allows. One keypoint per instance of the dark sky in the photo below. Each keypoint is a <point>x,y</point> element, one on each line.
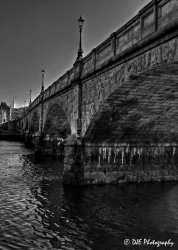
<point>37,34</point>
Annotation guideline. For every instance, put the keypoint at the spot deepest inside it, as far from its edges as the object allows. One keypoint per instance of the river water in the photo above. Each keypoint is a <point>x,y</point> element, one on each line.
<point>37,212</point>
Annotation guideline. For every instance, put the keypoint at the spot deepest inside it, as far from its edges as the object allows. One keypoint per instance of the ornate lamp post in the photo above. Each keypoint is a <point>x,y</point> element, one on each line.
<point>13,102</point>
<point>42,94</point>
<point>30,96</point>
<point>80,51</point>
<point>42,87</point>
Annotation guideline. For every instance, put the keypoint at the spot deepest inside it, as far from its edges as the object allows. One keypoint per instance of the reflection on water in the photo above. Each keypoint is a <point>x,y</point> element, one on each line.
<point>36,212</point>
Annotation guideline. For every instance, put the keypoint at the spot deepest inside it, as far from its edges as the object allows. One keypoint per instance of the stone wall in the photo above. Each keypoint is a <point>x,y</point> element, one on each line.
<point>97,89</point>
<point>154,18</point>
<point>118,163</point>
<point>117,108</point>
<point>89,163</point>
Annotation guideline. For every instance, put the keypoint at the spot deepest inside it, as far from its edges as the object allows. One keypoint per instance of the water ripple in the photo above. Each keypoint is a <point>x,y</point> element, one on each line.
<point>36,212</point>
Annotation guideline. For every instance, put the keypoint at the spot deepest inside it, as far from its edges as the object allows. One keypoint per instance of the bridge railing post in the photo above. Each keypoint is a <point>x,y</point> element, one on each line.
<point>94,58</point>
<point>155,15</point>
<point>113,41</point>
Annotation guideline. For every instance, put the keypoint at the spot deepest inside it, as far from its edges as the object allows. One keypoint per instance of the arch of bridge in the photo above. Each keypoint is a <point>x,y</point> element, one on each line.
<point>56,122</point>
<point>26,123</point>
<point>100,87</point>
<point>64,101</point>
<point>35,121</point>
<point>144,108</point>
<point>21,124</point>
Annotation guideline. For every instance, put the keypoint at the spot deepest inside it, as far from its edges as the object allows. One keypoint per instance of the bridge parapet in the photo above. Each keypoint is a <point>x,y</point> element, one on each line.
<point>123,91</point>
<point>153,17</point>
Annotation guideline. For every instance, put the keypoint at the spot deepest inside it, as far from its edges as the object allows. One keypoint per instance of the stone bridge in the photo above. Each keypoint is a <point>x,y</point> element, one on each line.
<point>117,108</point>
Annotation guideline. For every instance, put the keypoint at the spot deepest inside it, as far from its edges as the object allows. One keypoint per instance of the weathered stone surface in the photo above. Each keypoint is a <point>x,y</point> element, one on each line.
<point>99,88</point>
<point>142,109</point>
<point>124,92</point>
<point>130,176</point>
<point>120,163</point>
<point>73,161</point>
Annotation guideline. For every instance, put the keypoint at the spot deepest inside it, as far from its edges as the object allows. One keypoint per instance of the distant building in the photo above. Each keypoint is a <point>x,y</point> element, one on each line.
<point>17,113</point>
<point>4,112</point>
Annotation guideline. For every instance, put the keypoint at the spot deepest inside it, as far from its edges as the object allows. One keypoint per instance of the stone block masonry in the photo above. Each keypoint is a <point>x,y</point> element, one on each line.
<point>114,115</point>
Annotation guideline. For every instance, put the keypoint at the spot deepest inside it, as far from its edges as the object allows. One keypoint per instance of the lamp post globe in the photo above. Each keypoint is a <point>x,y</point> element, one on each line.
<point>80,51</point>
